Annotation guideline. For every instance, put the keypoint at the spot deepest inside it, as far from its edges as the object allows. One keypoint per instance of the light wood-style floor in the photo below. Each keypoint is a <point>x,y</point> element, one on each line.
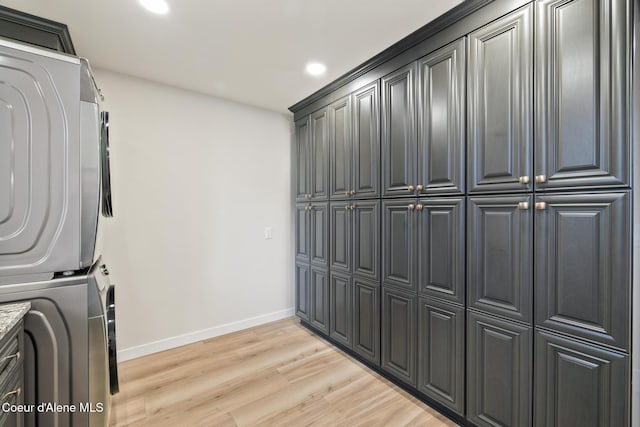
<point>278,374</point>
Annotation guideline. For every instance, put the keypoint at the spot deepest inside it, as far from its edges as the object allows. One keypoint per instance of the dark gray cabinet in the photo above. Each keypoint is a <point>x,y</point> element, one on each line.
<point>441,120</point>
<point>583,265</point>
<point>398,132</point>
<point>366,319</point>
<point>366,142</point>
<point>500,104</point>
<point>499,372</point>
<point>354,137</point>
<point>340,149</point>
<point>355,237</point>
<point>582,90</point>
<point>441,248</point>
<point>303,153</point>
<point>398,246</point>
<point>441,372</point>
<point>341,308</point>
<point>319,299</point>
<point>312,156</point>
<point>399,334</point>
<point>319,234</point>
<point>302,232</point>
<point>302,290</point>
<point>579,385</point>
<point>499,250</point>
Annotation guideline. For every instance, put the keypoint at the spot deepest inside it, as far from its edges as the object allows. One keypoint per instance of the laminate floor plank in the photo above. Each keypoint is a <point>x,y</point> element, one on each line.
<point>278,374</point>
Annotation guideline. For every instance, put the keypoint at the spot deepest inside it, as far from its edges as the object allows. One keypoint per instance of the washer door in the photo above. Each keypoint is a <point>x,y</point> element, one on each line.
<point>111,341</point>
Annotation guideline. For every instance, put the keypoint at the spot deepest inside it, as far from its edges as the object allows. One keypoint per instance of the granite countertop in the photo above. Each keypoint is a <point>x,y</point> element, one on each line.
<point>10,315</point>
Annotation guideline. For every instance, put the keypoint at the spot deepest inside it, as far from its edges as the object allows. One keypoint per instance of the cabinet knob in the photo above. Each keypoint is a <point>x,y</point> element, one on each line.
<point>346,193</point>
<point>419,207</point>
<point>410,188</point>
<point>308,207</point>
<point>411,206</point>
<point>352,192</point>
<point>346,207</point>
<point>523,205</point>
<point>352,207</point>
<point>541,206</point>
<point>524,179</point>
<point>419,187</point>
<point>541,179</point>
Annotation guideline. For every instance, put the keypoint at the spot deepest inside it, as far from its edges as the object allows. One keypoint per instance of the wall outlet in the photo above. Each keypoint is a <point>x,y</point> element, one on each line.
<point>267,233</point>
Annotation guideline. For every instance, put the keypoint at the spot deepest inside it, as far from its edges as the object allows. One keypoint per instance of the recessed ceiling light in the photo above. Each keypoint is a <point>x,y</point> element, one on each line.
<point>161,7</point>
<point>316,68</point>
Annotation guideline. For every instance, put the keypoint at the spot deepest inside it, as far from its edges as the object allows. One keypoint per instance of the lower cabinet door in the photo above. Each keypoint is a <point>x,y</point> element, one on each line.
<point>319,299</point>
<point>302,291</point>
<point>579,384</point>
<point>499,369</point>
<point>399,334</point>
<point>340,308</point>
<point>441,352</point>
<point>366,319</point>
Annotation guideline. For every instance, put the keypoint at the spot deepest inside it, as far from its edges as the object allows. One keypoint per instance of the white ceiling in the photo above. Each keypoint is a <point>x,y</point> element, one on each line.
<point>251,51</point>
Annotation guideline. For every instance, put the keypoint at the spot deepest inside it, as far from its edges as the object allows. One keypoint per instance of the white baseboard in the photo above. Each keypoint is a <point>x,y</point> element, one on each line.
<point>191,337</point>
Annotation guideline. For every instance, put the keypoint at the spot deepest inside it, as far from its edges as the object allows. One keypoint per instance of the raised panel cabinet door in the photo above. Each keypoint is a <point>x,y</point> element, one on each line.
<point>319,158</point>
<point>441,248</point>
<point>500,104</point>
<point>366,141</point>
<point>583,97</point>
<point>341,308</point>
<point>500,256</point>
<point>441,352</point>
<point>579,385</point>
<point>499,372</point>
<point>302,232</point>
<point>319,234</point>
<point>319,299</point>
<point>441,120</point>
<point>398,243</point>
<point>302,291</point>
<point>340,239</point>
<point>303,153</point>
<point>366,239</point>
<point>399,334</point>
<point>399,146</point>
<point>583,266</point>
<point>366,319</point>
<point>340,149</point>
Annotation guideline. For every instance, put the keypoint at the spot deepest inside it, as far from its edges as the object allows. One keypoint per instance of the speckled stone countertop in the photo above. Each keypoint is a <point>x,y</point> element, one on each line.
<point>10,315</point>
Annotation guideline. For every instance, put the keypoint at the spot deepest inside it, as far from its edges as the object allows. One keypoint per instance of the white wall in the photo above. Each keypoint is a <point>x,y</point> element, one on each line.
<point>195,182</point>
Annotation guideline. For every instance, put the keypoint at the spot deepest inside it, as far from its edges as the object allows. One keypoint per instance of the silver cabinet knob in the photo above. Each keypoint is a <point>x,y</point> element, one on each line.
<point>410,188</point>
<point>419,187</point>
<point>346,207</point>
<point>352,207</point>
<point>346,193</point>
<point>352,192</point>
<point>523,205</point>
<point>411,206</point>
<point>541,206</point>
<point>419,207</point>
<point>541,179</point>
<point>524,179</point>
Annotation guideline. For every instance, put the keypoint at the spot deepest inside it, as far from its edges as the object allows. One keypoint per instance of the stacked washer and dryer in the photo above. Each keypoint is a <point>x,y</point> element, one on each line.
<point>54,191</point>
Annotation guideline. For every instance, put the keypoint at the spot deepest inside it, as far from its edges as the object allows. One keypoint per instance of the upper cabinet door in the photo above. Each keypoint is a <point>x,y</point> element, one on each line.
<point>340,148</point>
<point>583,265</point>
<point>441,120</point>
<point>500,80</point>
<point>500,233</point>
<point>583,103</point>
<point>441,257</point>
<point>303,150</point>
<point>319,159</point>
<point>399,148</point>
<point>366,142</point>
